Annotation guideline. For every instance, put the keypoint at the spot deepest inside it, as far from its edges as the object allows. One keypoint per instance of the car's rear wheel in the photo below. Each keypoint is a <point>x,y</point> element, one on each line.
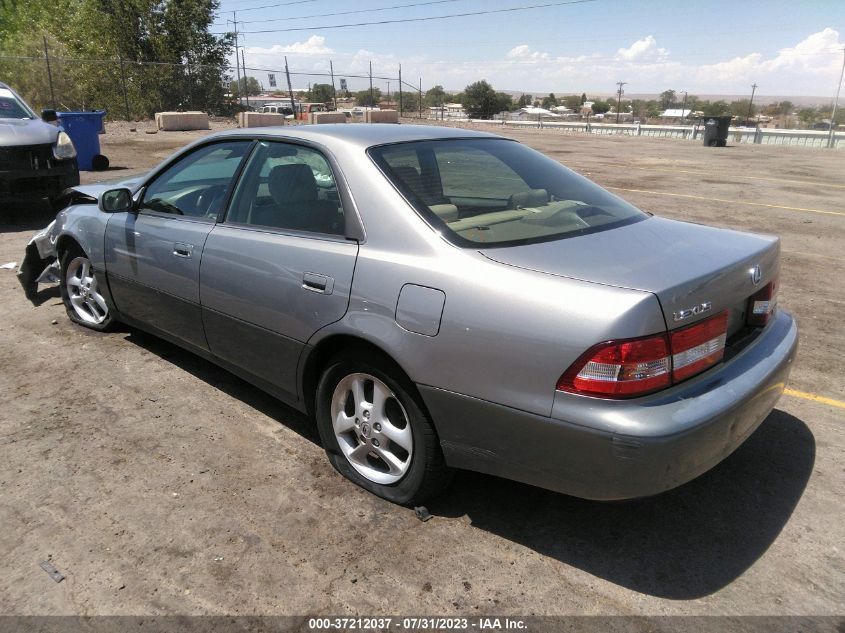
<point>81,294</point>
<point>375,430</point>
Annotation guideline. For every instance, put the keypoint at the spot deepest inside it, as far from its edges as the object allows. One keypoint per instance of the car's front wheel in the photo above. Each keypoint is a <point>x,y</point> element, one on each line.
<point>81,294</point>
<point>375,430</point>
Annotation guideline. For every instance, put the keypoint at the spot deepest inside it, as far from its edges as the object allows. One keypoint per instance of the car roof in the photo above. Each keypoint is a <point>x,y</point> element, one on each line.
<point>363,135</point>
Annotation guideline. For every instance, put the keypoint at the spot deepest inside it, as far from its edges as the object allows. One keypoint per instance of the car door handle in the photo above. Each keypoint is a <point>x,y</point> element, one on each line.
<point>315,282</point>
<point>180,249</point>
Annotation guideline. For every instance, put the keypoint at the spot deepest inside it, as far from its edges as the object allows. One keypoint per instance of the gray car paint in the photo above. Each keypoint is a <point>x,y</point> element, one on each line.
<point>509,329</point>
<point>26,132</point>
<point>683,264</point>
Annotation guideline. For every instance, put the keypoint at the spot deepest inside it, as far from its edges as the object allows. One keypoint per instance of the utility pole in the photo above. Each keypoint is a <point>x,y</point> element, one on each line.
<point>831,135</point>
<point>290,90</point>
<point>237,58</point>
<point>750,103</point>
<point>388,92</point>
<point>246,83</point>
<point>420,115</point>
<point>49,74</point>
<point>400,90</point>
<point>334,92</point>
<point>372,98</point>
<point>684,108</point>
<point>619,93</point>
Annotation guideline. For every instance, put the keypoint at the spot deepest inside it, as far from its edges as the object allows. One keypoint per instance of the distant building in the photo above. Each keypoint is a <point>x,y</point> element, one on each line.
<point>675,113</point>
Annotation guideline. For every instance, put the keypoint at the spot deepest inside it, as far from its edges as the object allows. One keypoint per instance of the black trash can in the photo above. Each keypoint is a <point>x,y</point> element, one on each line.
<point>716,131</point>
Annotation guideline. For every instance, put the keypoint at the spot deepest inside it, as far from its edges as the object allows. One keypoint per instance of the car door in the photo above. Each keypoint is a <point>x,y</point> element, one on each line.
<point>279,267</point>
<point>153,253</point>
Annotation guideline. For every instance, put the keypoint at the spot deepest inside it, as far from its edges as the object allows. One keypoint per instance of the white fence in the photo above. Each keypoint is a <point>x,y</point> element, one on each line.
<point>760,136</point>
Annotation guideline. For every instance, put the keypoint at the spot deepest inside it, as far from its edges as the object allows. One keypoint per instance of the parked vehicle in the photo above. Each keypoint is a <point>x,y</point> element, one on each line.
<point>37,159</point>
<point>304,109</point>
<point>277,109</point>
<point>439,298</point>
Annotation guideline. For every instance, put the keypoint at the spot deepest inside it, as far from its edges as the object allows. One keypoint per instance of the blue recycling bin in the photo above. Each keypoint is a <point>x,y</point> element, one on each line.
<point>84,130</point>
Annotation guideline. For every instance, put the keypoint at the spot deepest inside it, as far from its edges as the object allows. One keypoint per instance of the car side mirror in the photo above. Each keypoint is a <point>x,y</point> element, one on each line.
<point>49,116</point>
<point>115,200</point>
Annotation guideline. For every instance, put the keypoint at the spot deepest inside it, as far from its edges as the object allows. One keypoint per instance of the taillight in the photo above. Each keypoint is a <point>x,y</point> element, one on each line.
<point>762,304</point>
<point>620,369</point>
<point>635,367</point>
<point>699,346</point>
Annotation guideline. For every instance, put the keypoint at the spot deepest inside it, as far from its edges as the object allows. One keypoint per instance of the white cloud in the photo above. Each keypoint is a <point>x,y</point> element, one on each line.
<point>523,51</point>
<point>314,45</point>
<point>643,50</point>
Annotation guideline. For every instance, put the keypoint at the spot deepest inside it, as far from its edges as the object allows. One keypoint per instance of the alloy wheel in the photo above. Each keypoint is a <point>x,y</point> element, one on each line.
<point>372,428</point>
<point>83,293</point>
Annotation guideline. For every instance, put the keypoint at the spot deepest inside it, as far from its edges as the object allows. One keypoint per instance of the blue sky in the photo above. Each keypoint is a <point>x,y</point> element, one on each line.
<point>715,47</point>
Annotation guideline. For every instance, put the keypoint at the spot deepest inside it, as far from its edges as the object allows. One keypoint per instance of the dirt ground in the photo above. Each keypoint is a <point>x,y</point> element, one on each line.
<point>160,484</point>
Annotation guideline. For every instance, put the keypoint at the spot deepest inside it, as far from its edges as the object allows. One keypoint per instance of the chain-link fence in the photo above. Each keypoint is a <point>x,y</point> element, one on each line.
<point>136,90</point>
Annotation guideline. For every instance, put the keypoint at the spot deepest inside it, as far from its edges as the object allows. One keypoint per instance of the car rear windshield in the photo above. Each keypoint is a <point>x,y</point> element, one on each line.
<point>11,108</point>
<point>497,192</point>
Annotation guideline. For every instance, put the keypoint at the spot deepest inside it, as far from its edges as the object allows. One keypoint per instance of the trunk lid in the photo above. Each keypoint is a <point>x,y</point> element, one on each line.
<point>685,265</point>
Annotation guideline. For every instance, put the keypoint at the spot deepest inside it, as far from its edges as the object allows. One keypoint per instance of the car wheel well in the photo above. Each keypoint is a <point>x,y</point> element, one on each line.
<point>66,243</point>
<point>322,354</point>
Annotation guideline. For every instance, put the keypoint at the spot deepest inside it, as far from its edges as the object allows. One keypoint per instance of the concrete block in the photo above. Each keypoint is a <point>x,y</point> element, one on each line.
<point>381,116</point>
<point>260,119</point>
<point>326,117</point>
<point>181,121</point>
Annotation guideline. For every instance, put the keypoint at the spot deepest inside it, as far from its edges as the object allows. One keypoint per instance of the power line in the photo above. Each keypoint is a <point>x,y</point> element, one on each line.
<point>270,6</point>
<point>424,19</point>
<point>326,15</point>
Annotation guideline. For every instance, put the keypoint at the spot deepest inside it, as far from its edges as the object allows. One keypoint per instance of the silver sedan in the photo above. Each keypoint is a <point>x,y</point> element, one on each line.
<point>439,299</point>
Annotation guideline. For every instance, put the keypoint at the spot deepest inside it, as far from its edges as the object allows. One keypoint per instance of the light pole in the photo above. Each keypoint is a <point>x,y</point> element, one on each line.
<point>619,97</point>
<point>750,103</point>
<point>836,103</point>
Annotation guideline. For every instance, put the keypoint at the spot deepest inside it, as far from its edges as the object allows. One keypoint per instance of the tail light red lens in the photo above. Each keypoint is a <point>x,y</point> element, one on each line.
<point>699,346</point>
<point>620,369</point>
<point>635,367</point>
<point>762,304</point>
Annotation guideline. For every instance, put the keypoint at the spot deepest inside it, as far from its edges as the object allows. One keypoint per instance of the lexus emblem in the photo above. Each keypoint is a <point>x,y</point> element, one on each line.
<point>756,275</point>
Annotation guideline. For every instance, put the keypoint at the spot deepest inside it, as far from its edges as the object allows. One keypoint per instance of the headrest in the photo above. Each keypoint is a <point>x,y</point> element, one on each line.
<point>292,183</point>
<point>530,198</point>
<point>446,212</point>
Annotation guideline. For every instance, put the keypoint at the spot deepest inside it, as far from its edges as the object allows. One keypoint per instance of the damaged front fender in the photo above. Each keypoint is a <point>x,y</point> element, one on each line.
<point>39,264</point>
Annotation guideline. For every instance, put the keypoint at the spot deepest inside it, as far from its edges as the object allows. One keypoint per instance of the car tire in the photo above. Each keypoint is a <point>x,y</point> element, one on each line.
<point>383,471</point>
<point>79,287</point>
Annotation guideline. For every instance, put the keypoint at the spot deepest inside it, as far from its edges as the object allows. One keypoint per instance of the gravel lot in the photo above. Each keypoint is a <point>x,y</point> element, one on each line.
<point>160,484</point>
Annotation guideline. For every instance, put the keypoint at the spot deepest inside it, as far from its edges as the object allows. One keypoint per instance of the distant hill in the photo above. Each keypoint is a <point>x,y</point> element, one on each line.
<point>758,98</point>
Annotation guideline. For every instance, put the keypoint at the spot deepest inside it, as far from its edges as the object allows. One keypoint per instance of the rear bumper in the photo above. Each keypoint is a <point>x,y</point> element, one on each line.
<point>598,449</point>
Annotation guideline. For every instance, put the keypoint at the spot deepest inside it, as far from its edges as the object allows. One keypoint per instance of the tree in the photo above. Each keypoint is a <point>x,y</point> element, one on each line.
<point>524,101</point>
<point>435,96</point>
<point>363,99</point>
<point>245,86</point>
<point>573,102</point>
<point>322,93</point>
<point>740,108</point>
<point>550,101</point>
<point>171,58</point>
<point>600,107</point>
<point>808,116</point>
<point>667,99</point>
<point>505,102</point>
<point>583,98</point>
<point>482,102</point>
<point>715,108</point>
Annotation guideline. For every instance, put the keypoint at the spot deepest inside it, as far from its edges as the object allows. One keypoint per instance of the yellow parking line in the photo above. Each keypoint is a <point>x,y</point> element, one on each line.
<point>779,180</point>
<point>811,396</point>
<point>753,204</point>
